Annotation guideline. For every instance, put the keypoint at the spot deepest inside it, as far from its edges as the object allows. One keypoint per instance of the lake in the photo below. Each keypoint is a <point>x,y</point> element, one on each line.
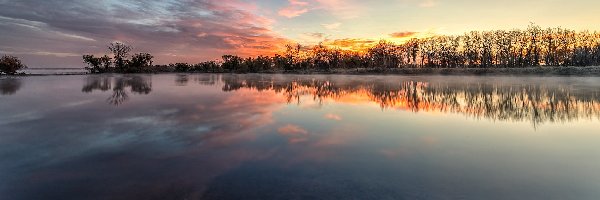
<point>211,136</point>
<point>54,71</point>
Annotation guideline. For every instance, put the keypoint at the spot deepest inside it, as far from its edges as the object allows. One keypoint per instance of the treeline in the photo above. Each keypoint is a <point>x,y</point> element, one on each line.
<point>517,48</point>
<point>531,47</point>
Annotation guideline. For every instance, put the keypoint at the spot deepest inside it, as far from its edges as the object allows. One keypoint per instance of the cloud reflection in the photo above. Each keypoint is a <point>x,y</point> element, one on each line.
<point>228,136</point>
<point>159,149</point>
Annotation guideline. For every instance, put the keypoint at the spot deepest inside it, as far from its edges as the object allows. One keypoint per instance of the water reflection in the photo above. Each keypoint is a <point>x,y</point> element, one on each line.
<point>137,84</point>
<point>181,79</point>
<point>296,137</point>
<point>506,101</point>
<point>9,86</point>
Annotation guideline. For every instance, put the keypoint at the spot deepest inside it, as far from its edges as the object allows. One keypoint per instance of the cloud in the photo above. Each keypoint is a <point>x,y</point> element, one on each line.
<point>312,38</point>
<point>211,143</point>
<point>333,117</point>
<point>332,26</point>
<point>294,133</point>
<point>294,9</point>
<point>354,44</point>
<point>316,35</point>
<point>428,4</point>
<point>173,31</point>
<point>403,34</point>
<point>291,129</point>
<point>344,9</point>
<point>292,12</point>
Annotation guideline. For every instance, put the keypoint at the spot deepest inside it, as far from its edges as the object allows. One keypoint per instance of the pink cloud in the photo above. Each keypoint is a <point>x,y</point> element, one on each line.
<point>291,129</point>
<point>175,31</point>
<point>295,9</point>
<point>294,133</point>
<point>333,117</point>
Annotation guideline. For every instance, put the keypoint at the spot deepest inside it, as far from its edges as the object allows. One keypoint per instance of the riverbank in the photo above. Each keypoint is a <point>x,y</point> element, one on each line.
<point>527,71</point>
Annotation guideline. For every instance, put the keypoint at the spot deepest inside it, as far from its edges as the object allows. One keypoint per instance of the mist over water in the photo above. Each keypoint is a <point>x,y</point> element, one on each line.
<point>54,71</point>
<point>208,136</point>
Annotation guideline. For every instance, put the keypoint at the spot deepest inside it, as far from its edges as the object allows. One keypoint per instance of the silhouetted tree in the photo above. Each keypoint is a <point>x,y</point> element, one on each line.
<point>97,65</point>
<point>208,66</point>
<point>232,63</point>
<point>291,59</point>
<point>384,54</point>
<point>263,63</point>
<point>120,53</point>
<point>140,62</point>
<point>182,67</point>
<point>10,65</point>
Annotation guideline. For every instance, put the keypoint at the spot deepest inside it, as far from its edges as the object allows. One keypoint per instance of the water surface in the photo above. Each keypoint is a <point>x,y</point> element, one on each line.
<point>54,71</point>
<point>299,137</point>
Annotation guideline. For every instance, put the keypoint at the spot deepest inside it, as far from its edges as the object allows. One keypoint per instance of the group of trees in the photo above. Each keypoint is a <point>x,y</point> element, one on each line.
<point>120,62</point>
<point>295,58</point>
<point>516,48</point>
<point>10,65</point>
<point>531,47</point>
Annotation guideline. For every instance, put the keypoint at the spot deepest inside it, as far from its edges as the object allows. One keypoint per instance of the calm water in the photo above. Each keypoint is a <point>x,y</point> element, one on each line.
<point>299,137</point>
<point>54,71</point>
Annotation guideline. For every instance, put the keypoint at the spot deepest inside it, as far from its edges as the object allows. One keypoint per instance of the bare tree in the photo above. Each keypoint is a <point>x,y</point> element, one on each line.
<point>120,52</point>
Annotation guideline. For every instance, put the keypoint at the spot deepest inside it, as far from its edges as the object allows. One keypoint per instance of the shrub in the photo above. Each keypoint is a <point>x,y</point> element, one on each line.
<point>232,63</point>
<point>10,65</point>
<point>182,67</point>
<point>140,62</point>
<point>97,65</point>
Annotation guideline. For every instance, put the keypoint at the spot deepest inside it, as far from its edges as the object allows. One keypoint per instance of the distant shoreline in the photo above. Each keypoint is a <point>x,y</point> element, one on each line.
<point>527,71</point>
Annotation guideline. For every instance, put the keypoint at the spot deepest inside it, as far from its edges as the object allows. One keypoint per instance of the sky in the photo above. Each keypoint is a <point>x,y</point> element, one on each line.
<point>56,33</point>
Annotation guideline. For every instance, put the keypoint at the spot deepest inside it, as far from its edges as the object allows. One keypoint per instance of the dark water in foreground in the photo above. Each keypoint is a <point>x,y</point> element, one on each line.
<point>299,137</point>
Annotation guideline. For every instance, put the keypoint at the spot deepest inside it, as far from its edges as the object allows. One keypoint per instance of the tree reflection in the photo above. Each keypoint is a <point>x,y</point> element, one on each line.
<point>137,84</point>
<point>10,86</point>
<point>181,80</point>
<point>101,83</point>
<point>535,103</point>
